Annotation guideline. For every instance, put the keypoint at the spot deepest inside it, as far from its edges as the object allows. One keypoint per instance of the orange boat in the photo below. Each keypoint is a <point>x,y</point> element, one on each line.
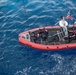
<point>49,38</point>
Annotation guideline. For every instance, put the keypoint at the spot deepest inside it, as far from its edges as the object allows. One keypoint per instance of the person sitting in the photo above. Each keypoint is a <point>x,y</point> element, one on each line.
<point>36,37</point>
<point>63,24</point>
<point>71,36</point>
<point>43,35</point>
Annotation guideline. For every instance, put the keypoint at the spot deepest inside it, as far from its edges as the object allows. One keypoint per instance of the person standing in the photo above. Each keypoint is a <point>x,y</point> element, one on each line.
<point>63,24</point>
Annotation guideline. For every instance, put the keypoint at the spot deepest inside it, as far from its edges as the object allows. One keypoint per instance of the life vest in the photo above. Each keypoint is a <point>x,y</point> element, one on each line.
<point>74,32</point>
<point>45,30</point>
<point>37,35</point>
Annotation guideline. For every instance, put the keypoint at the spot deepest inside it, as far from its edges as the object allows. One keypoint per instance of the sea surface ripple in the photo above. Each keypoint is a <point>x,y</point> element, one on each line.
<point>17,16</point>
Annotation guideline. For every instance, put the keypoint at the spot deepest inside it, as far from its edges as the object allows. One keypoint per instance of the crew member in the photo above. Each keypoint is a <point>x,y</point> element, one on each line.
<point>36,37</point>
<point>63,24</point>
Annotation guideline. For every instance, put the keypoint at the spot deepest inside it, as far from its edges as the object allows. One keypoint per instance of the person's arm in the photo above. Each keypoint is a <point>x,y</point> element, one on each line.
<point>66,23</point>
<point>60,24</point>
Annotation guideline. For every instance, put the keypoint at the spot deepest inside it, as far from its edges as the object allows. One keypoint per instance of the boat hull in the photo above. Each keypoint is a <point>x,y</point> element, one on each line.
<point>42,46</point>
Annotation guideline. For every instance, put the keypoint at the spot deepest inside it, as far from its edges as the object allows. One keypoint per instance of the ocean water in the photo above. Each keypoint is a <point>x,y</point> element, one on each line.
<point>17,16</point>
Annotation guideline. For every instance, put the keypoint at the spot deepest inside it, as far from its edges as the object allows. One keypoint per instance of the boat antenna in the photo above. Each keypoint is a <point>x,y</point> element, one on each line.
<point>56,23</point>
<point>68,12</point>
<point>73,19</point>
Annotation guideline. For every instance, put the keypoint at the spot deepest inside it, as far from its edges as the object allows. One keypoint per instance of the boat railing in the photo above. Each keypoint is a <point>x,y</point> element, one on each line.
<point>58,34</point>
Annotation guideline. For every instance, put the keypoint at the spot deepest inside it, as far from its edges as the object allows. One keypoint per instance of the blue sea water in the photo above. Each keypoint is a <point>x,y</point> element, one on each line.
<point>17,16</point>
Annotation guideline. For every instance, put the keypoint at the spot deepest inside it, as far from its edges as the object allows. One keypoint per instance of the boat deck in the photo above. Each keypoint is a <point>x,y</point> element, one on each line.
<point>53,37</point>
